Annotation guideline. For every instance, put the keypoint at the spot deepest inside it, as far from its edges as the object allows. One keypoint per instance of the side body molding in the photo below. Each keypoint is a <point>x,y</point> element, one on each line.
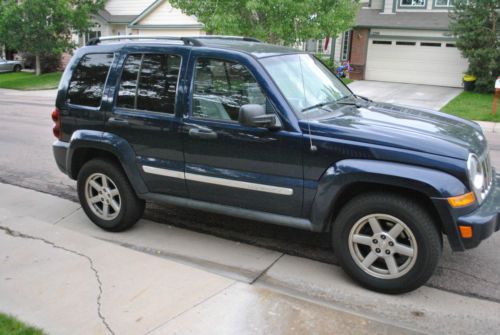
<point>115,145</point>
<point>337,178</point>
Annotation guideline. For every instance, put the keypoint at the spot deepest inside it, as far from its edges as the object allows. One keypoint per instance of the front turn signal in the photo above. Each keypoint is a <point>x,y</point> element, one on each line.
<point>462,200</point>
<point>465,231</point>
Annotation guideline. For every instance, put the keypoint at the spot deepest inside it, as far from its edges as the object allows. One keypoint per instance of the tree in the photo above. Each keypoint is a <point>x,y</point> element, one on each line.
<point>475,25</point>
<point>274,21</point>
<point>45,26</point>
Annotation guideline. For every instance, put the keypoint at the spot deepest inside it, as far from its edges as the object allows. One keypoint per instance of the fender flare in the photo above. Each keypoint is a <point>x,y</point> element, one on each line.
<point>432,183</point>
<point>115,145</point>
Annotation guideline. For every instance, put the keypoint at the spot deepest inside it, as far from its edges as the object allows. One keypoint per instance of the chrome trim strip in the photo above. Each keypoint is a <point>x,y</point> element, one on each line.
<point>239,184</point>
<point>218,181</point>
<point>163,172</point>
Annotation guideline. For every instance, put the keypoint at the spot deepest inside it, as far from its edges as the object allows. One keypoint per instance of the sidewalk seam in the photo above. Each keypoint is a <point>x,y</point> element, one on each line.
<point>14,233</point>
<point>267,269</point>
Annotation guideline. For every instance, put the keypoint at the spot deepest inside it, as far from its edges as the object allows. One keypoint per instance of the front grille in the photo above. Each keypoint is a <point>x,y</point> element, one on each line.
<point>488,173</point>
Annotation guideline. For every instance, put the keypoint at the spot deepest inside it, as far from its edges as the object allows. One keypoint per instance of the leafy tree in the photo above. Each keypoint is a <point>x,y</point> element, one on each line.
<point>44,27</point>
<point>274,21</point>
<point>476,27</point>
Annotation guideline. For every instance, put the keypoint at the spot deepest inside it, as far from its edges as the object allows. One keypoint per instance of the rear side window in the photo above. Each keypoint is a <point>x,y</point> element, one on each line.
<point>88,79</point>
<point>149,82</point>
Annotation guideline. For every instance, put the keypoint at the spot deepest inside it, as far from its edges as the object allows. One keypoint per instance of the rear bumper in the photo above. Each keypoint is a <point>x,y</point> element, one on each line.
<point>485,220</point>
<point>60,149</point>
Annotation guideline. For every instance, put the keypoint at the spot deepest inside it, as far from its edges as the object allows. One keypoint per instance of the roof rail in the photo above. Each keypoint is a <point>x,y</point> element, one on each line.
<point>194,41</point>
<point>185,40</point>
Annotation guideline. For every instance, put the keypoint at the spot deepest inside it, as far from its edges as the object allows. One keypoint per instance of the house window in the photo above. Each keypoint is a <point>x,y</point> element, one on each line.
<point>405,43</point>
<point>345,51</point>
<point>412,3</point>
<point>382,42</point>
<point>443,3</point>
<point>430,44</point>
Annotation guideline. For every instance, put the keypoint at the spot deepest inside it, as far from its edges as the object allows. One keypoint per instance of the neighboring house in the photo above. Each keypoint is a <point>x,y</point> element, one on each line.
<point>405,41</point>
<point>145,17</point>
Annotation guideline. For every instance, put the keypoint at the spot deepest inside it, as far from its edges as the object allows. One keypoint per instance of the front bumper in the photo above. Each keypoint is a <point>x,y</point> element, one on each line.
<point>485,220</point>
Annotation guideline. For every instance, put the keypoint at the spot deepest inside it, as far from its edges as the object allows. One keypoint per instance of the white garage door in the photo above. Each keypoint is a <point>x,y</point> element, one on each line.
<point>415,62</point>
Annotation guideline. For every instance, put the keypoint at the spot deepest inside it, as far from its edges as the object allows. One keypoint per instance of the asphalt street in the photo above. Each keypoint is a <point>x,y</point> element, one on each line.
<point>26,160</point>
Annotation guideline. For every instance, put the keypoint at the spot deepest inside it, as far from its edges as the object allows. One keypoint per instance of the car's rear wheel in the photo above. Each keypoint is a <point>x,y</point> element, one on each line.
<point>387,242</point>
<point>107,196</point>
<point>17,68</point>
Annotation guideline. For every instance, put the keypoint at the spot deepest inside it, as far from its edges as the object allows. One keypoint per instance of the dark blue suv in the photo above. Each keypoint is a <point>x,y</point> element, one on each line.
<point>234,126</point>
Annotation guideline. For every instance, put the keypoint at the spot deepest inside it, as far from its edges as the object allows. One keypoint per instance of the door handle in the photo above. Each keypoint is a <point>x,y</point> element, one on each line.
<point>117,121</point>
<point>203,133</point>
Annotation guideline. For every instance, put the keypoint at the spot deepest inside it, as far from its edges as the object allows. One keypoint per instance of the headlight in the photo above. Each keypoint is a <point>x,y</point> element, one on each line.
<point>476,174</point>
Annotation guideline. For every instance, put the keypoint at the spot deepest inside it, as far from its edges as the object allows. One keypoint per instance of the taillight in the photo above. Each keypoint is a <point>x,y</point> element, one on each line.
<point>56,117</point>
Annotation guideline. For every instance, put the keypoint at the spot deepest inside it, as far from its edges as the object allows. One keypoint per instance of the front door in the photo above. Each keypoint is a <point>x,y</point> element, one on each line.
<point>145,114</point>
<point>230,164</point>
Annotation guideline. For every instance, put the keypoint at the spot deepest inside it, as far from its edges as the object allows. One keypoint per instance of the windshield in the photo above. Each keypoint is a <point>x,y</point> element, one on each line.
<point>305,82</point>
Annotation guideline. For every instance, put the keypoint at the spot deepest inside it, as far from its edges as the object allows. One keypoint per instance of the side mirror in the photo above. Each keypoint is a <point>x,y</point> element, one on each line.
<point>252,115</point>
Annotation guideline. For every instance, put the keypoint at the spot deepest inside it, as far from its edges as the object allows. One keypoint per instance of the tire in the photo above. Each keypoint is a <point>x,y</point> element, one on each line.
<point>17,68</point>
<point>124,208</point>
<point>366,255</point>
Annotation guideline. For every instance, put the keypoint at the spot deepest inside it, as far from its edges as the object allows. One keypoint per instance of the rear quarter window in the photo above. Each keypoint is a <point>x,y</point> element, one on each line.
<point>88,79</point>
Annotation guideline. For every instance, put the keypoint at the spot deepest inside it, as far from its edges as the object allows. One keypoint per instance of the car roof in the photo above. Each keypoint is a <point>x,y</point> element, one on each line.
<point>247,45</point>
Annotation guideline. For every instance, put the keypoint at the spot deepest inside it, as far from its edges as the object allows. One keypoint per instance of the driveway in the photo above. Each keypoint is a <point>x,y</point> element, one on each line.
<point>433,97</point>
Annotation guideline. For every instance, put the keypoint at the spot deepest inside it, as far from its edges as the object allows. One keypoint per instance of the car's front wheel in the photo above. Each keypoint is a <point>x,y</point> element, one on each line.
<point>17,68</point>
<point>387,242</point>
<point>107,196</point>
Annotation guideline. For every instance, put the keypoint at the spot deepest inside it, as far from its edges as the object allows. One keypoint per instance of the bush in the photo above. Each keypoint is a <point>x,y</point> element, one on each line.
<point>49,63</point>
<point>475,25</point>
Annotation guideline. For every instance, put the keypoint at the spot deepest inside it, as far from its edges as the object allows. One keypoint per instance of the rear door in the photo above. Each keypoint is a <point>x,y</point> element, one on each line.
<point>146,113</point>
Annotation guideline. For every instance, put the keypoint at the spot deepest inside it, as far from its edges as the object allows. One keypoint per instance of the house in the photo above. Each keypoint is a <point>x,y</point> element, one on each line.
<point>406,41</point>
<point>145,17</point>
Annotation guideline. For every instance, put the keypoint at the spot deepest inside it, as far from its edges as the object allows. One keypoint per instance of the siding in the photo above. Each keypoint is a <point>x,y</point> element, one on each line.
<point>127,7</point>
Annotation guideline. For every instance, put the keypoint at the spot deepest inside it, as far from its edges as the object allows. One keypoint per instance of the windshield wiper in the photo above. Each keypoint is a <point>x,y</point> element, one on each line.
<point>340,101</point>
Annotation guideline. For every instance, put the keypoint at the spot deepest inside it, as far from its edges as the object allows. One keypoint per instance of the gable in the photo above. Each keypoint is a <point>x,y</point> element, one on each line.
<point>162,13</point>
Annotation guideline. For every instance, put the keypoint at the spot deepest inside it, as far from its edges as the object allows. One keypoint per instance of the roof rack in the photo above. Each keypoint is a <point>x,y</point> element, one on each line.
<point>194,41</point>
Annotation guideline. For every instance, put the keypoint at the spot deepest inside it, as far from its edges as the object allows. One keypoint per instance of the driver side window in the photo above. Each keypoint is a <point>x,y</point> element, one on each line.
<point>221,88</point>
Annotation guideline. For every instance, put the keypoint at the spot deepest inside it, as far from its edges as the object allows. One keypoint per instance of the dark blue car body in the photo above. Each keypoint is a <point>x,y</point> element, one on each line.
<point>308,170</point>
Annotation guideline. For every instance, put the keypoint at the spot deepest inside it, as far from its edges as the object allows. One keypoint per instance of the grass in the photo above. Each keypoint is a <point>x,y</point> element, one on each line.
<point>28,81</point>
<point>347,81</point>
<point>472,106</point>
<point>11,326</point>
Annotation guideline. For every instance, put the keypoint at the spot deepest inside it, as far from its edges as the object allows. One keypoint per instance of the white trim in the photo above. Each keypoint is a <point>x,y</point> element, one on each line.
<point>163,172</point>
<point>218,181</point>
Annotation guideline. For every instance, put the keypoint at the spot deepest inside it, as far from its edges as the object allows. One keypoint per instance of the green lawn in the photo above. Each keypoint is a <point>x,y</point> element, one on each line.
<point>28,81</point>
<point>347,81</point>
<point>11,326</point>
<point>472,106</point>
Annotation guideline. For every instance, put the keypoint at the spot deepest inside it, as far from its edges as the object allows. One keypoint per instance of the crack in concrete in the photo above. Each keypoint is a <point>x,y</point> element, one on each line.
<point>66,216</point>
<point>14,233</point>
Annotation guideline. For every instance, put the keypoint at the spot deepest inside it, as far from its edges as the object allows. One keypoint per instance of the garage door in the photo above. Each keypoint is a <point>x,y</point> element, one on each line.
<point>415,62</point>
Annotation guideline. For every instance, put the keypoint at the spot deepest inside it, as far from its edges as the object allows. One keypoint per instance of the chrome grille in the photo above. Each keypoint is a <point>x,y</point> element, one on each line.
<point>488,173</point>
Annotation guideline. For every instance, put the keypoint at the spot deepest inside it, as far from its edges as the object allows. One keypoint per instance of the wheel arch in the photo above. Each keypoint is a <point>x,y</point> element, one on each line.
<point>349,178</point>
<point>89,144</point>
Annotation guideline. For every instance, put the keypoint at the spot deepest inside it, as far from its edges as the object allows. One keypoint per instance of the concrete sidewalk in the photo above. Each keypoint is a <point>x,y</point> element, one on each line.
<point>67,282</point>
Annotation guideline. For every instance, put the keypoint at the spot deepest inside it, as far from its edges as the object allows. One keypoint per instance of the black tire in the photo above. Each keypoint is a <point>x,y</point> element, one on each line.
<point>418,220</point>
<point>17,68</point>
<point>131,207</point>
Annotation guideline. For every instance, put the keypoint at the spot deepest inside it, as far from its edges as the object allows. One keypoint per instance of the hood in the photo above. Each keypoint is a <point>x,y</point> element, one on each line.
<point>404,127</point>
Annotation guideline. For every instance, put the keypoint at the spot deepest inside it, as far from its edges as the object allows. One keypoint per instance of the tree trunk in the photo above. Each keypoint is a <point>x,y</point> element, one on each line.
<point>38,69</point>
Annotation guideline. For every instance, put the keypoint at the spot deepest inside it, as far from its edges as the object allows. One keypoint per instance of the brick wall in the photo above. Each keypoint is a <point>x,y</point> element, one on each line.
<point>358,52</point>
